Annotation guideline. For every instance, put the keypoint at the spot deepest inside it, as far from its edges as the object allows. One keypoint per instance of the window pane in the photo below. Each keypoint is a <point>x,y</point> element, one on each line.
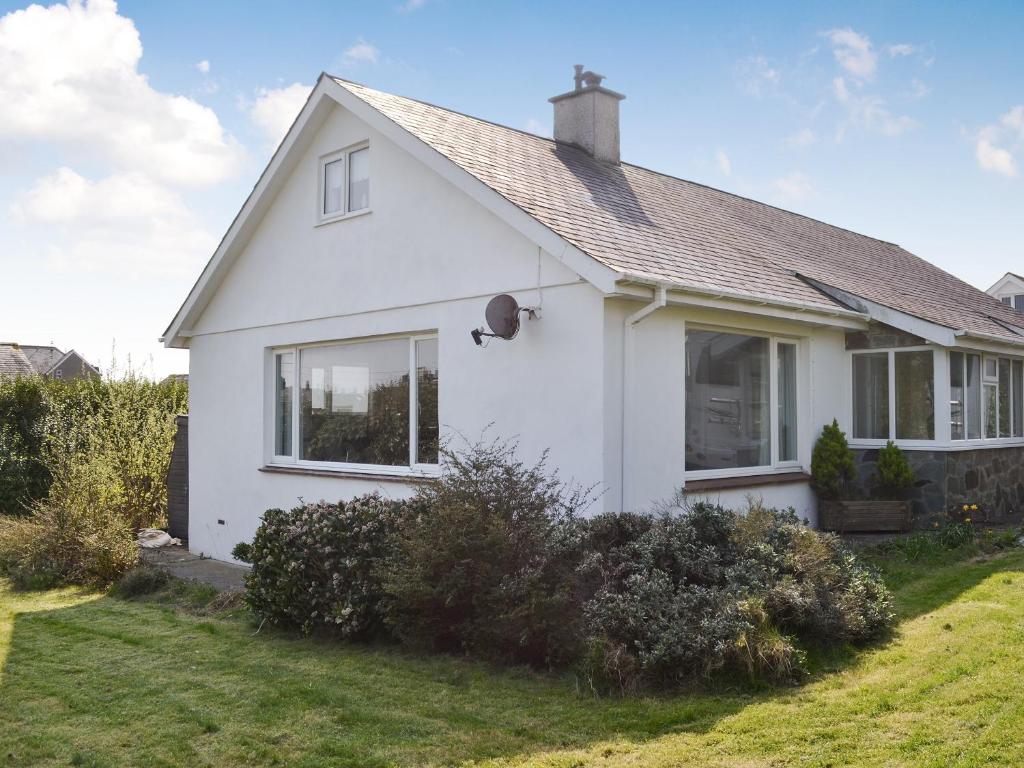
<point>915,395</point>
<point>334,185</point>
<point>787,402</point>
<point>991,396</point>
<point>871,395</point>
<point>1004,397</point>
<point>355,403</point>
<point>727,401</point>
<point>1018,398</point>
<point>359,180</point>
<point>1018,302</point>
<point>956,395</point>
<point>1006,299</point>
<point>426,402</point>
<point>973,390</point>
<point>284,377</point>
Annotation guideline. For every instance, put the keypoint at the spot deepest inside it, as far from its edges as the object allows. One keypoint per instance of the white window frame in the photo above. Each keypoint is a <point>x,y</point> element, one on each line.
<point>943,407</point>
<point>344,212</point>
<point>939,421</point>
<point>412,468</point>
<point>987,380</point>
<point>776,466</point>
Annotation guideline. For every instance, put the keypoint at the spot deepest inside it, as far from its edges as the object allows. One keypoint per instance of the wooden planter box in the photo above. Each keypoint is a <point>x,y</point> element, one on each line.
<point>864,516</point>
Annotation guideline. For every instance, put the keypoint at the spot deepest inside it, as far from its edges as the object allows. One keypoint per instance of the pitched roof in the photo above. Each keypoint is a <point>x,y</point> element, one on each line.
<point>42,358</point>
<point>641,222</point>
<point>13,361</point>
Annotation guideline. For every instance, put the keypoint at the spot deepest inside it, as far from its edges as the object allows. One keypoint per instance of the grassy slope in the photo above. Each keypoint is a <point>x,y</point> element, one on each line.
<point>89,680</point>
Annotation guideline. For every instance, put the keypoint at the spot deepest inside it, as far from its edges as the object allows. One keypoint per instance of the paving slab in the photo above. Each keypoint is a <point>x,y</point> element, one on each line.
<point>183,564</point>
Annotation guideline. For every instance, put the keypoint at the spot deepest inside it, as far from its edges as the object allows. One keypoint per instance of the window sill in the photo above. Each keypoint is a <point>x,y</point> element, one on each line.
<point>324,220</point>
<point>348,474</point>
<point>746,481</point>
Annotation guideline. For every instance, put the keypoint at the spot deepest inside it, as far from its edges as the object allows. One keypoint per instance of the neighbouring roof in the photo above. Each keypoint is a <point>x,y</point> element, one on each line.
<point>638,221</point>
<point>13,361</point>
<point>42,358</point>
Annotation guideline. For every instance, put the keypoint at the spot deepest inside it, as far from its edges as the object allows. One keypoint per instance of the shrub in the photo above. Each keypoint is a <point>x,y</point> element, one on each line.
<point>242,551</point>
<point>669,605</point>
<point>894,472</point>
<point>487,564</point>
<point>143,580</point>
<point>832,465</point>
<point>319,565</point>
<point>106,448</point>
<point>23,476</point>
<point>703,588</point>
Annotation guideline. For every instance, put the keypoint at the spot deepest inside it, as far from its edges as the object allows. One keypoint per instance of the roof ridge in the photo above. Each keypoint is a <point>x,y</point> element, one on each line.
<point>664,174</point>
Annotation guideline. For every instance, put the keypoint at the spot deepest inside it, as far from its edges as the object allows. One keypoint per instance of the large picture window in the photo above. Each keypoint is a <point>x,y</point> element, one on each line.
<point>894,395</point>
<point>741,401</point>
<point>358,404</point>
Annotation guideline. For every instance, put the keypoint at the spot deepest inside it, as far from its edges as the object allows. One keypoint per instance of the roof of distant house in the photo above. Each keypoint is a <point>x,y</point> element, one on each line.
<point>641,222</point>
<point>14,362</point>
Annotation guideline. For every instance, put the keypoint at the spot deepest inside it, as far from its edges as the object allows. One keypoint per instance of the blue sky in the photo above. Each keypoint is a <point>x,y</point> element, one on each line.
<point>131,134</point>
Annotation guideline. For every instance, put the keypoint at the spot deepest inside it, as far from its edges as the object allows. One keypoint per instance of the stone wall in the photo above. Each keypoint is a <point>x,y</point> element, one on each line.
<point>992,478</point>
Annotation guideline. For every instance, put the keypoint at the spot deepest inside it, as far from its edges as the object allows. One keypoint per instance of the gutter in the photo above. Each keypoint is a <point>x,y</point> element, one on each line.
<point>752,298</point>
<point>659,301</point>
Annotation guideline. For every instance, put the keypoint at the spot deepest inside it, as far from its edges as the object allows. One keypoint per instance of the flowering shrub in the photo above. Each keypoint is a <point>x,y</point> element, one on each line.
<point>318,565</point>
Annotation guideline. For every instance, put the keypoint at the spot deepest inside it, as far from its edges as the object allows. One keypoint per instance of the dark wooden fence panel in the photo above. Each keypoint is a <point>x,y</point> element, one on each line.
<point>177,483</point>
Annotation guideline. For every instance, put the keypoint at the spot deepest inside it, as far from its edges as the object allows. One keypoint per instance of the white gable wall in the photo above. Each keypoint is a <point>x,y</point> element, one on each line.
<point>426,258</point>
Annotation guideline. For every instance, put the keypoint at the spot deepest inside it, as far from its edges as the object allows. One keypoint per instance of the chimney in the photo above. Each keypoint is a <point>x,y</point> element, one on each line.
<point>588,117</point>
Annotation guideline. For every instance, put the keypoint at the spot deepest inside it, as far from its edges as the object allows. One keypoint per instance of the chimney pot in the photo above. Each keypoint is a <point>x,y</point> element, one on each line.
<point>588,116</point>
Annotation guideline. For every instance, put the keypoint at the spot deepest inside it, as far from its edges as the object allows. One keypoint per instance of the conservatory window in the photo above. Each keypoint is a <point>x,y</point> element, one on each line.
<point>986,396</point>
<point>894,395</point>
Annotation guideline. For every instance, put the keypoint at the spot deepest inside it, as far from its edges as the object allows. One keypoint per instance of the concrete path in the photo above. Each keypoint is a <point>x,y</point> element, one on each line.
<point>179,562</point>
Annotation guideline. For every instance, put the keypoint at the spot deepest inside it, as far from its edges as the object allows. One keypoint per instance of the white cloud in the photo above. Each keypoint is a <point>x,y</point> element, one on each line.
<point>869,112</point>
<point>757,76</point>
<point>123,222</point>
<point>411,5</point>
<point>793,187</point>
<point>203,66</point>
<point>275,110</point>
<point>918,89</point>
<point>361,52</point>
<point>69,76</point>
<point>901,49</point>
<point>997,145</point>
<point>854,52</point>
<point>723,161</point>
<point>802,138</point>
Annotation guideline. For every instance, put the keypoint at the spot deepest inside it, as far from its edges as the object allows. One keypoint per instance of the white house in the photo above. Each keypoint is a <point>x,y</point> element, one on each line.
<point>1009,289</point>
<point>683,336</point>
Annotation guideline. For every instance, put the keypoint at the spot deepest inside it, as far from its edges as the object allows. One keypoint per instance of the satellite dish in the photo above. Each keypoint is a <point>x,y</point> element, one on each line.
<point>502,316</point>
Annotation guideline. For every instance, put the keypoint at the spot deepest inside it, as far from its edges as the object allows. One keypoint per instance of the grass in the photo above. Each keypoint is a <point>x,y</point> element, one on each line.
<point>91,680</point>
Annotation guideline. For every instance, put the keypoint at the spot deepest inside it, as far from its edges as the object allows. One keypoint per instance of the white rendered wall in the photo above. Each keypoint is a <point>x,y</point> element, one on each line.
<point>426,258</point>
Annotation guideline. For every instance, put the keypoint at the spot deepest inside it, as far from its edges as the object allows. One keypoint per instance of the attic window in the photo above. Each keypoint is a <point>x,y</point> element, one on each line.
<point>344,183</point>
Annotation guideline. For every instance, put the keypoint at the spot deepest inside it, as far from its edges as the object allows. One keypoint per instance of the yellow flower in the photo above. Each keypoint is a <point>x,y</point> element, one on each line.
<point>974,507</point>
<point>967,519</point>
<point>966,507</point>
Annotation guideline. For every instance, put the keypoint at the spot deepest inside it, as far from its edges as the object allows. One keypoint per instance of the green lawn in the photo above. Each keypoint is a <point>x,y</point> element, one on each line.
<point>91,680</point>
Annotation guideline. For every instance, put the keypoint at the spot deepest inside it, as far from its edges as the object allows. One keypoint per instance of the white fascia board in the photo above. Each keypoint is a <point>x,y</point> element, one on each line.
<point>594,272</point>
<point>309,119</point>
<point>933,332</point>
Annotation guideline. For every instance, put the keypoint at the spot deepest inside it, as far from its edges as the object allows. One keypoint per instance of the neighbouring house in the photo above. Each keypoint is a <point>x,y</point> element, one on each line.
<point>680,336</point>
<point>1009,289</point>
<point>29,360</point>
